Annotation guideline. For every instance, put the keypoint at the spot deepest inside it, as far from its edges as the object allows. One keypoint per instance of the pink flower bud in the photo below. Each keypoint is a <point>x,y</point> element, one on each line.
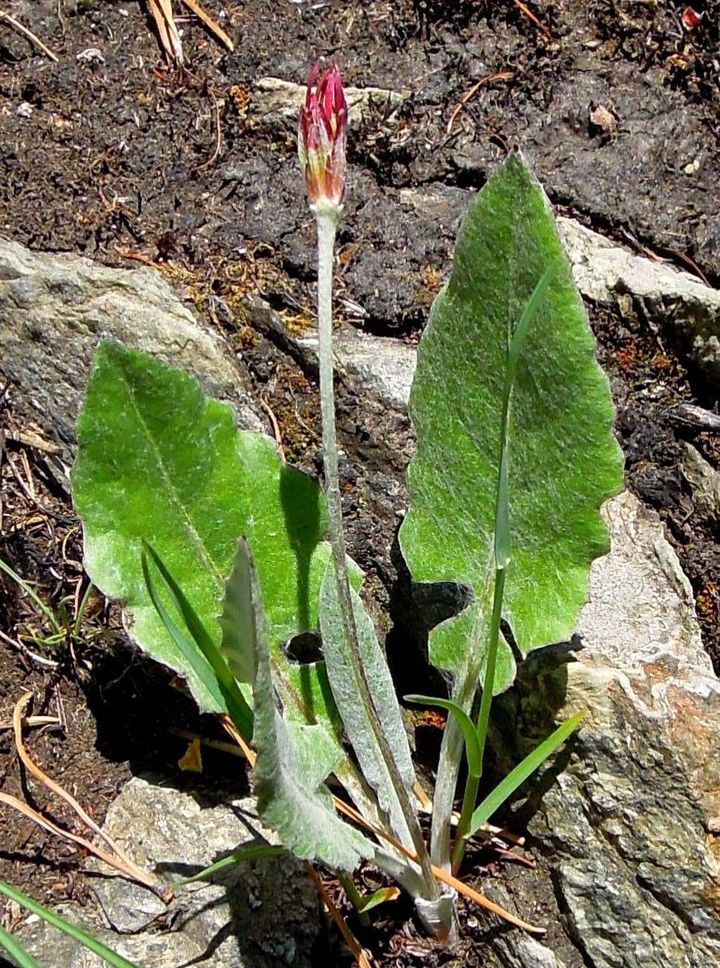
<point>322,133</point>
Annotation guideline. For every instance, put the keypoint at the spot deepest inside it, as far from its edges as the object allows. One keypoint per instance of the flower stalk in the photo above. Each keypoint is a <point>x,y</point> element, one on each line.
<point>321,148</point>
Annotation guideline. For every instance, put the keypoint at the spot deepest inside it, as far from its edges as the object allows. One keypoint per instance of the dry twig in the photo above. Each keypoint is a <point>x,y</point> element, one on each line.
<point>351,941</point>
<point>211,25</point>
<point>33,38</point>
<point>118,859</point>
<point>693,416</point>
<point>169,35</point>
<point>497,76</point>
<point>531,16</point>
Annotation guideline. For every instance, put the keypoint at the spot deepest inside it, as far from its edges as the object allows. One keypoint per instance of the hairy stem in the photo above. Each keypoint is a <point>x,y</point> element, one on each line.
<point>326,226</point>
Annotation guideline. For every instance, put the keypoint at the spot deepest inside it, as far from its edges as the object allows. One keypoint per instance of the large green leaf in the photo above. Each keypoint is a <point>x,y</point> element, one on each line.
<point>562,460</point>
<point>160,462</point>
<point>288,779</point>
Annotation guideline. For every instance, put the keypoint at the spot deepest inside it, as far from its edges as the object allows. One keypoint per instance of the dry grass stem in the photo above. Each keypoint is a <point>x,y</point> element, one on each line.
<point>169,35</point>
<point>211,25</point>
<point>361,959</point>
<point>120,861</point>
<point>33,38</point>
<point>468,95</point>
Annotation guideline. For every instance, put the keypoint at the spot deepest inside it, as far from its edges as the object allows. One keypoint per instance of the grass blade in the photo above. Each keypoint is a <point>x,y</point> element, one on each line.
<point>30,591</point>
<point>236,705</point>
<point>522,771</point>
<point>201,667</point>
<point>16,950</point>
<point>67,927</point>
<point>473,750</point>
<point>249,852</point>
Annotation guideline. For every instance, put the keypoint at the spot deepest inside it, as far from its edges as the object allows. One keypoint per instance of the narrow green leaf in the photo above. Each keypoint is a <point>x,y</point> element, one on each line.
<point>187,647</point>
<point>241,855</point>
<point>16,950</point>
<point>205,658</point>
<point>563,461</point>
<point>236,622</point>
<point>159,462</point>
<point>473,751</point>
<point>517,344</point>
<point>381,896</point>
<point>67,927</point>
<point>522,771</point>
<point>356,718</point>
<point>290,797</point>
<point>30,591</point>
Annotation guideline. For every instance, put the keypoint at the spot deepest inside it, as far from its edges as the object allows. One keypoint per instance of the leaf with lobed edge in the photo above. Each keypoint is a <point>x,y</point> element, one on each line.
<point>563,461</point>
<point>160,462</point>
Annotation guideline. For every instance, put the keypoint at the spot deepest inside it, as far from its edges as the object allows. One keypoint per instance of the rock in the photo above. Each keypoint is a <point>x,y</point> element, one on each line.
<point>258,914</point>
<point>364,360</point>
<point>55,308</point>
<point>704,482</point>
<point>687,311</point>
<point>625,827</point>
<point>278,102</point>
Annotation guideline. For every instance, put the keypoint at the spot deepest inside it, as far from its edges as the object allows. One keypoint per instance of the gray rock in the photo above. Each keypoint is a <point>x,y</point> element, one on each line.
<point>625,826</point>
<point>277,102</point>
<point>364,360</point>
<point>54,310</point>
<point>258,914</point>
<point>704,482</point>
<point>687,311</point>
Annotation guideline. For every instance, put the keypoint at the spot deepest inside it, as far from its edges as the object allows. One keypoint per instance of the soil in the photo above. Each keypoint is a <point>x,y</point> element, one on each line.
<point>112,153</point>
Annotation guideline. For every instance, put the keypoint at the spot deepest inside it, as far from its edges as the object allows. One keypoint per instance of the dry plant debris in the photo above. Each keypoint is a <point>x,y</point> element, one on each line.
<point>169,34</point>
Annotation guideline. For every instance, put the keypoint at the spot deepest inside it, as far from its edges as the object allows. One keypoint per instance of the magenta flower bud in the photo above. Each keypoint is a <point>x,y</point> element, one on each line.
<point>322,133</point>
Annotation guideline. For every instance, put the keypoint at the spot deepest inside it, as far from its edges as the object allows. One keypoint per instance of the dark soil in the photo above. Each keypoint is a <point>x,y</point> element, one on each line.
<point>112,154</point>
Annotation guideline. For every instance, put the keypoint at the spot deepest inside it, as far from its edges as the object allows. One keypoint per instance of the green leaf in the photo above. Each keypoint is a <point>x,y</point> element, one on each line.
<point>522,771</point>
<point>236,621</point>
<point>473,751</point>
<point>202,654</point>
<point>381,896</point>
<point>562,460</point>
<point>291,796</point>
<point>67,927</point>
<point>159,462</point>
<point>31,593</point>
<point>240,856</point>
<point>16,950</point>
<point>356,718</point>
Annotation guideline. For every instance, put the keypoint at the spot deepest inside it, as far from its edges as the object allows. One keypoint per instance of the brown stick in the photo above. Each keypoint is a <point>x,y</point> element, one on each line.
<point>122,862</point>
<point>351,941</point>
<point>213,27</point>
<point>497,76</point>
<point>33,38</point>
<point>531,16</point>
